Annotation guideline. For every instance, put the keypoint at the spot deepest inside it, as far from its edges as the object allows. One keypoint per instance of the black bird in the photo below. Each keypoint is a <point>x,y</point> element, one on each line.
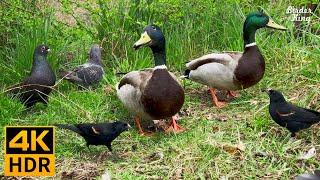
<point>38,85</point>
<point>315,176</point>
<point>89,73</point>
<point>98,134</point>
<point>289,116</point>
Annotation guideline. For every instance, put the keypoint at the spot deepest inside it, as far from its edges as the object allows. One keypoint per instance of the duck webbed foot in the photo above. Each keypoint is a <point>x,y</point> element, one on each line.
<point>215,100</point>
<point>174,126</point>
<point>138,124</point>
<point>232,94</point>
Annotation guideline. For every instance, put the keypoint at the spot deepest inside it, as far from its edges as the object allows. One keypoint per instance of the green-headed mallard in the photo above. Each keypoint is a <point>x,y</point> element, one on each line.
<point>233,70</point>
<point>152,93</point>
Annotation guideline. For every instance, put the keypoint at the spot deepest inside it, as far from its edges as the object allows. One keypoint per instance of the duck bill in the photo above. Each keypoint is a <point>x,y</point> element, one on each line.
<point>272,24</point>
<point>144,40</point>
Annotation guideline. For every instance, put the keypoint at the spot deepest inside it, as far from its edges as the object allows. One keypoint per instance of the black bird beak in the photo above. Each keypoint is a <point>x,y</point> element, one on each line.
<point>265,90</point>
<point>129,127</point>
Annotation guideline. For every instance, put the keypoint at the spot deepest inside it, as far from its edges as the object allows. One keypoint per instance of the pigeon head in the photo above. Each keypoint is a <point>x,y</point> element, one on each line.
<point>119,126</point>
<point>274,95</point>
<point>42,50</point>
<point>40,63</point>
<point>95,54</point>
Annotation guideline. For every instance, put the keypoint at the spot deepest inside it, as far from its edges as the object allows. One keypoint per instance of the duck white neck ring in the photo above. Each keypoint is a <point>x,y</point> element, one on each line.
<point>251,44</point>
<point>160,67</point>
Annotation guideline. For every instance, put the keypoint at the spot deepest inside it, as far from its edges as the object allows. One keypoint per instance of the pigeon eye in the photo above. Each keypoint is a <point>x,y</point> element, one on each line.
<point>154,28</point>
<point>43,48</point>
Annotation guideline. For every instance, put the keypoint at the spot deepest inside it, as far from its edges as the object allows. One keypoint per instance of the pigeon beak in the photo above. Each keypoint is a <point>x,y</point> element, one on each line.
<point>48,50</point>
<point>128,125</point>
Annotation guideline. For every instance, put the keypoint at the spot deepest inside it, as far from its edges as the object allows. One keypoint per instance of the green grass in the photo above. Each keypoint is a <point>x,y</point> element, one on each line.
<point>191,30</point>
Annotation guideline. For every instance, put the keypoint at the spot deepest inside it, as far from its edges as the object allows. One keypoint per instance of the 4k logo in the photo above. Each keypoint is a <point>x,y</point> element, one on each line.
<point>29,151</point>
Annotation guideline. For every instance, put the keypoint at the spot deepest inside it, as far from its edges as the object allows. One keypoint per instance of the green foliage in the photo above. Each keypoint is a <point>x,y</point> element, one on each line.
<point>191,28</point>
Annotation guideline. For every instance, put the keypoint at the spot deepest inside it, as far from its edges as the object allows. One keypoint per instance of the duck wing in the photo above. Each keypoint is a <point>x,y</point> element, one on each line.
<point>137,79</point>
<point>221,58</point>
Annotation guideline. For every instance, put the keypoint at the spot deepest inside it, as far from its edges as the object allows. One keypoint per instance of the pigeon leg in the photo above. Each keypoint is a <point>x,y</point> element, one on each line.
<point>138,124</point>
<point>232,94</point>
<point>45,100</point>
<point>29,105</point>
<point>174,127</point>
<point>215,100</point>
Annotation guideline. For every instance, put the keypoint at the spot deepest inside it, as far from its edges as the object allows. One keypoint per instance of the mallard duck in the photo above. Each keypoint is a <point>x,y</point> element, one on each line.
<point>153,93</point>
<point>233,70</point>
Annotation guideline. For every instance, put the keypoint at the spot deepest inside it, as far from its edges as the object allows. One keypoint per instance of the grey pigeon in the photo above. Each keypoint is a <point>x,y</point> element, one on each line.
<point>315,176</point>
<point>38,85</point>
<point>89,73</point>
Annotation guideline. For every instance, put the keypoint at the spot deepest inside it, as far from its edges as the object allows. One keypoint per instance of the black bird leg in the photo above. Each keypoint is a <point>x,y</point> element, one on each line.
<point>109,147</point>
<point>88,145</point>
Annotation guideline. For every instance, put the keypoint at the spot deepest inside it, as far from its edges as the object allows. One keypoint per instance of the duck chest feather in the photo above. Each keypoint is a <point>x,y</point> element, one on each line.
<point>163,96</point>
<point>251,68</point>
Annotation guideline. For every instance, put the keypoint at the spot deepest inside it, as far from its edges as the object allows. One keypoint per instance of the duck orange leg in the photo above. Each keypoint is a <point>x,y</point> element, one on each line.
<point>215,100</point>
<point>138,124</point>
<point>232,94</point>
<point>174,126</point>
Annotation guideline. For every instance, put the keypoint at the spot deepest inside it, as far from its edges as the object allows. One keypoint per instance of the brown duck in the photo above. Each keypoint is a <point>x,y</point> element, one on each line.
<point>233,70</point>
<point>152,93</point>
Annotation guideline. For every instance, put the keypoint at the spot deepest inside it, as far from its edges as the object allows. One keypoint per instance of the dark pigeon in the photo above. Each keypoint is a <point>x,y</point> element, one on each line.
<point>89,73</point>
<point>315,176</point>
<point>38,85</point>
<point>289,116</point>
<point>98,134</point>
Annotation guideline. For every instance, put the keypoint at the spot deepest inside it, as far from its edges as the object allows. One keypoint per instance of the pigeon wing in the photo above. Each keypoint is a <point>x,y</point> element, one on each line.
<point>90,74</point>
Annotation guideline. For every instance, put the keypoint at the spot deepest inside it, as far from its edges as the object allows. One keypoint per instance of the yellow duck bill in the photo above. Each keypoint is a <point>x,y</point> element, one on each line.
<point>274,25</point>
<point>144,40</point>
